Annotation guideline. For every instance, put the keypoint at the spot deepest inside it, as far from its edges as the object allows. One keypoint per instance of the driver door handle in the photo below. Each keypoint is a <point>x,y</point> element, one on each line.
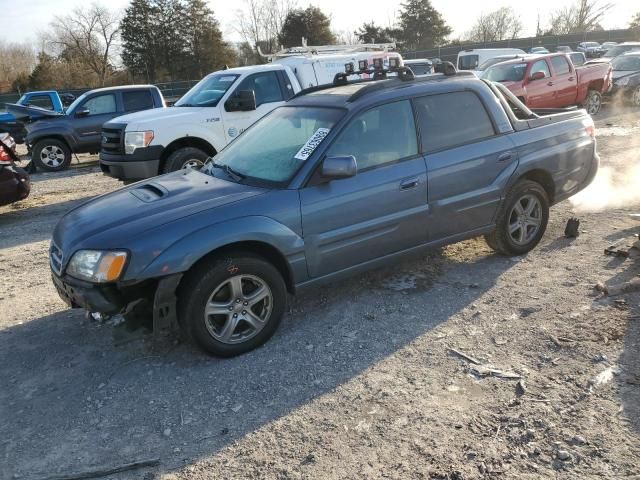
<point>409,184</point>
<point>503,157</point>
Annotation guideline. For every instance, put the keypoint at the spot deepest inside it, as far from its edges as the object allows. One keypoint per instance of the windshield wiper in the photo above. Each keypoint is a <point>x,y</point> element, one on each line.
<point>237,176</point>
<point>185,105</point>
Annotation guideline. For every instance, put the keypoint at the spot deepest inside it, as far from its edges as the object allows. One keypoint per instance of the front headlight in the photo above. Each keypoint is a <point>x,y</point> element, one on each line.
<point>622,81</point>
<point>97,266</point>
<point>133,140</point>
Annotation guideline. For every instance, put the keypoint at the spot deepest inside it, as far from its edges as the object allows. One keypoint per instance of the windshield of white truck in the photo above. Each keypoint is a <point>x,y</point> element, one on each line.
<point>276,146</point>
<point>505,73</point>
<point>208,91</point>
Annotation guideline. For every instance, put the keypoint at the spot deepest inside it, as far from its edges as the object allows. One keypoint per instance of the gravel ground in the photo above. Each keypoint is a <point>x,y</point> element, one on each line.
<point>359,381</point>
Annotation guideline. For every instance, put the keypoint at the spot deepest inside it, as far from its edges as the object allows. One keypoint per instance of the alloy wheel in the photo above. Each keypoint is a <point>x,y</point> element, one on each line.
<point>52,156</point>
<point>593,104</point>
<point>525,219</point>
<point>238,309</point>
<point>193,163</point>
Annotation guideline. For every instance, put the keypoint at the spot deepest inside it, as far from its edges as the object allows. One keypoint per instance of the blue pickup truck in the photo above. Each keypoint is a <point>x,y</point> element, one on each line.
<point>335,182</point>
<point>13,121</point>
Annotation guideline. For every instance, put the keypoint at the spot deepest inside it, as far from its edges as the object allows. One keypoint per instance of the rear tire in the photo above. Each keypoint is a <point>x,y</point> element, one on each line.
<point>185,157</point>
<point>593,103</point>
<point>522,219</point>
<point>635,97</point>
<point>51,155</point>
<point>231,305</point>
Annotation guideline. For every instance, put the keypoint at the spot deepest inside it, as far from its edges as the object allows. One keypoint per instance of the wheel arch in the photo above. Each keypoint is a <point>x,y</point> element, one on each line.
<point>54,136</point>
<point>544,178</point>
<point>195,142</point>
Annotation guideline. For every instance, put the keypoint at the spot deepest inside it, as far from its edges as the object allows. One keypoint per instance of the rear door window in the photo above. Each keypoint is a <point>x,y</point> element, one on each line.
<point>42,101</point>
<point>137,100</point>
<point>560,65</point>
<point>451,119</point>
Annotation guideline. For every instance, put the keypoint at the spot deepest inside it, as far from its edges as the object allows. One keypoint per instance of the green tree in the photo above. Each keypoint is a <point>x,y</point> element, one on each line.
<point>310,24</point>
<point>421,26</point>
<point>372,33</point>
<point>138,46</point>
<point>206,50</point>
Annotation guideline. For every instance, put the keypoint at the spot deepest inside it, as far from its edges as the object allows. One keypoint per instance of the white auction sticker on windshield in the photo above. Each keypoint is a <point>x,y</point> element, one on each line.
<point>307,149</point>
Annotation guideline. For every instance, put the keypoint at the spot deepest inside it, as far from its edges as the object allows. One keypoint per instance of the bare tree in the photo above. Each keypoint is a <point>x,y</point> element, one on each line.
<point>260,22</point>
<point>16,60</point>
<point>500,24</point>
<point>582,16</point>
<point>89,36</point>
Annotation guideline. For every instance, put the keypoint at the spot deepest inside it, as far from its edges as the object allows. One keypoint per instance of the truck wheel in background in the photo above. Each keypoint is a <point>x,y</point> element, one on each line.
<point>232,304</point>
<point>51,155</point>
<point>522,219</point>
<point>635,97</point>
<point>593,102</point>
<point>185,157</point>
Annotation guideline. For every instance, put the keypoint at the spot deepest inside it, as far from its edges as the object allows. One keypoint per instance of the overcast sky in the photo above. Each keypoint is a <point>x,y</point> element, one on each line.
<point>22,19</point>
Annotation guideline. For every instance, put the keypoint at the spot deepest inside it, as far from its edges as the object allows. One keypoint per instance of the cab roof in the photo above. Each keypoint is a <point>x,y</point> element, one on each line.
<point>356,94</point>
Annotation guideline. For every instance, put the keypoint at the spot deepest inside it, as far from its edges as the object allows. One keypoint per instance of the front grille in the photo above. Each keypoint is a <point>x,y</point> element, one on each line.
<point>112,141</point>
<point>55,259</point>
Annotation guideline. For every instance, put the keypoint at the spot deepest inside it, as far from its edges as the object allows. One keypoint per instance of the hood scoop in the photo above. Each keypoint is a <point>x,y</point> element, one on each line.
<point>149,192</point>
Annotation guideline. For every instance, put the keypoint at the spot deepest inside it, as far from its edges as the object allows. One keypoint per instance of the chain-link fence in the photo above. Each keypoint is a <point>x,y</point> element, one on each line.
<point>450,53</point>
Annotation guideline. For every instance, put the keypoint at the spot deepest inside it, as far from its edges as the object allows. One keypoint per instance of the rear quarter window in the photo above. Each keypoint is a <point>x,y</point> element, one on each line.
<point>137,100</point>
<point>560,65</point>
<point>448,120</point>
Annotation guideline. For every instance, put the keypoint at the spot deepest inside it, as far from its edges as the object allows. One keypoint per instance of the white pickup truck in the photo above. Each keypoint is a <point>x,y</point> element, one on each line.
<point>219,108</point>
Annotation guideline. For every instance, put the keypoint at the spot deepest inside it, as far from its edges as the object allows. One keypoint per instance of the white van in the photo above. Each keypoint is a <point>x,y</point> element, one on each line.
<point>220,107</point>
<point>471,59</point>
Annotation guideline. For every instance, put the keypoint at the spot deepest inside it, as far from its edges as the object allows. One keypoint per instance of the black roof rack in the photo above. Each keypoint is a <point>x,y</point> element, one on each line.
<point>380,80</point>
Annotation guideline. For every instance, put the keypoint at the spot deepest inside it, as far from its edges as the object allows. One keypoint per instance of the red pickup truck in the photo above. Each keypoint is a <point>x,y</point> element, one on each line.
<point>552,81</point>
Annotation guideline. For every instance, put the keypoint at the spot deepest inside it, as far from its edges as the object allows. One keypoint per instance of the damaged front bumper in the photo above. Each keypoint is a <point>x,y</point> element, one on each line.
<point>111,299</point>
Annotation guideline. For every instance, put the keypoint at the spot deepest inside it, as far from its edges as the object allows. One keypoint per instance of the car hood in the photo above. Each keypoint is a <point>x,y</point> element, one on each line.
<point>155,114</point>
<point>111,220</point>
<point>23,112</point>
<point>617,74</point>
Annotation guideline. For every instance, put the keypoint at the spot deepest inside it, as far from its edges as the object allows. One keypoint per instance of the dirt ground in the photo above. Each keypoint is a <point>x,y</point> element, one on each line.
<point>359,382</point>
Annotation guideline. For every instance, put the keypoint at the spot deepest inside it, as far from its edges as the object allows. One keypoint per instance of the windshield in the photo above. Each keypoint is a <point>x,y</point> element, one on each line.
<point>591,44</point>
<point>620,49</point>
<point>76,102</point>
<point>505,73</point>
<point>493,61</point>
<point>276,146</point>
<point>631,62</point>
<point>208,91</point>
<point>468,62</point>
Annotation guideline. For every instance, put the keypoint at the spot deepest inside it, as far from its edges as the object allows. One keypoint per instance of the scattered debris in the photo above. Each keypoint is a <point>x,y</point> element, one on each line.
<point>465,356</point>
<point>572,230</point>
<point>605,376</point>
<point>520,388</point>
<point>104,471</point>
<point>564,455</point>
<point>626,287</point>
<point>600,357</point>
<point>562,341</point>
<point>487,371</point>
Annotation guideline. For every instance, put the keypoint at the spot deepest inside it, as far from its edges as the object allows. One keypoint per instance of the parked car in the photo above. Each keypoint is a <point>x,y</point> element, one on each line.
<point>15,184</point>
<point>626,77</point>
<point>618,50</point>
<point>607,45</point>
<point>552,81</point>
<point>53,138</point>
<point>419,66</point>
<point>220,107</point>
<point>13,122</point>
<point>563,49</point>
<point>538,50</point>
<point>578,58</point>
<point>590,49</point>
<point>470,59</point>
<point>408,165</point>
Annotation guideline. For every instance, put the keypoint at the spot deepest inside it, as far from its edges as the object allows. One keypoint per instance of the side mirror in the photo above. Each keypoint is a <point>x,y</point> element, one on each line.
<point>334,168</point>
<point>537,76</point>
<point>82,112</point>
<point>242,101</point>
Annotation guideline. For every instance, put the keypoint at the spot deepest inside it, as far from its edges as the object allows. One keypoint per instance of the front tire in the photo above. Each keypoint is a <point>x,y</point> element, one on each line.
<point>185,157</point>
<point>593,103</point>
<point>229,306</point>
<point>522,219</point>
<point>635,97</point>
<point>51,155</point>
